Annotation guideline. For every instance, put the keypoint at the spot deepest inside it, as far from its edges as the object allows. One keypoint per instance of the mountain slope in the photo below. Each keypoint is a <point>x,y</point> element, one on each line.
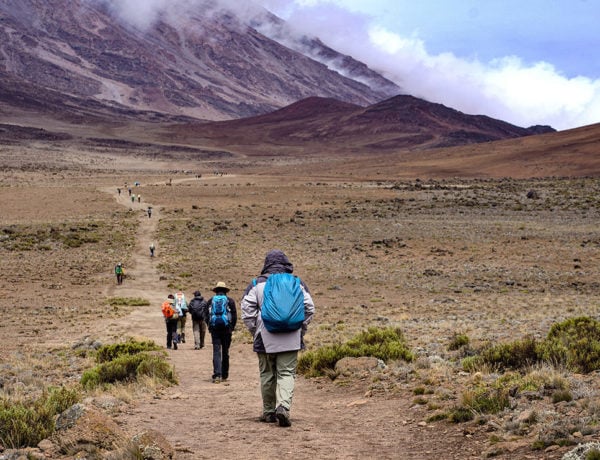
<point>205,64</point>
<point>400,122</point>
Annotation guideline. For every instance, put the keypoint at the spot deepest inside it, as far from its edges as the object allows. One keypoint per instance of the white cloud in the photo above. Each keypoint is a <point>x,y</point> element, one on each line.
<point>504,88</point>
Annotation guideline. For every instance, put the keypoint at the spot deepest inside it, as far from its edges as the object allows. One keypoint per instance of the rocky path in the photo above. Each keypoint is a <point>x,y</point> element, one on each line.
<point>206,420</point>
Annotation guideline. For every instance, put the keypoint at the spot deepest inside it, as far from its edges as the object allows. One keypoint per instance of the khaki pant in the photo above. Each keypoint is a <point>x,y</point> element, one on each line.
<point>277,379</point>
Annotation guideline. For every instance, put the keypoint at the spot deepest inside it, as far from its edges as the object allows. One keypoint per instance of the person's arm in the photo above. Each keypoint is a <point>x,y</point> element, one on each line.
<point>233,311</point>
<point>249,307</point>
<point>309,307</point>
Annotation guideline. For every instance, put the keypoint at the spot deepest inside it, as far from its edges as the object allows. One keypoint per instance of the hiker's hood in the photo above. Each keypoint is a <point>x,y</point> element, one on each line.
<point>277,262</point>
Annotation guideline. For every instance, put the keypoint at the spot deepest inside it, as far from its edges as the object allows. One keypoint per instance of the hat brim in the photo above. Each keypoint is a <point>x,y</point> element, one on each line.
<point>215,289</point>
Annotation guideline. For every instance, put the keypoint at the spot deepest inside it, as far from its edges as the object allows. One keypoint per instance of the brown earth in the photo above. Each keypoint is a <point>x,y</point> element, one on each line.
<point>431,257</point>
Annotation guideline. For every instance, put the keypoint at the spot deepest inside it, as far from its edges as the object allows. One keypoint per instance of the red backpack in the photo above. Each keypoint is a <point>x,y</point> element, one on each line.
<point>167,309</point>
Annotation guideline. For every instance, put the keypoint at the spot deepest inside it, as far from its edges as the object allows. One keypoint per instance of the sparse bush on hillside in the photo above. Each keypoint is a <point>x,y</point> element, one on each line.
<point>125,362</point>
<point>128,301</point>
<point>514,355</point>
<point>385,344</point>
<point>457,341</point>
<point>574,343</point>
<point>131,347</point>
<point>26,423</point>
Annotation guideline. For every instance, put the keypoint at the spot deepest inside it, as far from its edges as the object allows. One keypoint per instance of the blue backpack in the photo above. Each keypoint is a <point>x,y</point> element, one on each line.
<point>282,309</point>
<point>219,312</point>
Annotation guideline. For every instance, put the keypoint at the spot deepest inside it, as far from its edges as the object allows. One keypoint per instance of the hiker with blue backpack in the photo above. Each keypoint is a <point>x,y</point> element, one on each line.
<point>277,308</point>
<point>221,317</point>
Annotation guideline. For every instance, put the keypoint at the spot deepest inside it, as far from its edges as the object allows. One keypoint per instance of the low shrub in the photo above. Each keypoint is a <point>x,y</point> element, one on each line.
<point>386,344</point>
<point>131,347</point>
<point>125,362</point>
<point>460,415</point>
<point>487,401</point>
<point>514,355</point>
<point>128,301</point>
<point>457,341</point>
<point>26,423</point>
<point>574,343</point>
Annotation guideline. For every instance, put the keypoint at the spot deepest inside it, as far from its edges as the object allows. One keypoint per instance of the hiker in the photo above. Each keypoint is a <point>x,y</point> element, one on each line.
<point>197,308</point>
<point>171,318</point>
<point>277,351</point>
<point>182,309</point>
<point>119,191</point>
<point>221,318</point>
<point>129,190</point>
<point>133,198</point>
<point>152,247</point>
<point>149,212</point>
<point>139,198</point>
<point>119,271</point>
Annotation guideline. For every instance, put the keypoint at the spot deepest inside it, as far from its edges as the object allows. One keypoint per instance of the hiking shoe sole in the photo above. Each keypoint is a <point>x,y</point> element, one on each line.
<point>283,416</point>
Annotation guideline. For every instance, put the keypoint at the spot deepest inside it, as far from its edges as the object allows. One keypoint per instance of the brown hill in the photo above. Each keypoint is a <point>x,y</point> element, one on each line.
<point>204,63</point>
<point>321,124</point>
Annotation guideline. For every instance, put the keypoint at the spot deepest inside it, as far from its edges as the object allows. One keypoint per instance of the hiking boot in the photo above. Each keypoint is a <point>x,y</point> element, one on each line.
<point>283,416</point>
<point>182,337</point>
<point>216,379</point>
<point>268,418</point>
<point>174,345</point>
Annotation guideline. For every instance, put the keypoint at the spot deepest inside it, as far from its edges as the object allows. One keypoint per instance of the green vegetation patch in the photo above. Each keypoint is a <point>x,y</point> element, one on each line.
<point>573,343</point>
<point>26,423</point>
<point>125,362</point>
<point>386,344</point>
<point>131,347</point>
<point>128,301</point>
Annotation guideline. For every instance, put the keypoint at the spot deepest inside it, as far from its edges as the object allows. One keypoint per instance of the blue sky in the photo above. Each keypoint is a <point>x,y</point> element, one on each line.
<point>524,61</point>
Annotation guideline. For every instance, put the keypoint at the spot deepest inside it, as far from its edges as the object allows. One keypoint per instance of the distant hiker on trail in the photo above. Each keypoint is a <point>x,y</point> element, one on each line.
<point>119,272</point>
<point>133,198</point>
<point>149,212</point>
<point>129,190</point>
<point>182,309</point>
<point>139,198</point>
<point>171,318</point>
<point>119,191</point>
<point>221,318</point>
<point>277,308</point>
<point>152,247</point>
<point>198,309</point>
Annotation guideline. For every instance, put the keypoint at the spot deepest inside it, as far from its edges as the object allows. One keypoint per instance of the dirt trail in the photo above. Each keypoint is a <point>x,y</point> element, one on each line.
<point>206,420</point>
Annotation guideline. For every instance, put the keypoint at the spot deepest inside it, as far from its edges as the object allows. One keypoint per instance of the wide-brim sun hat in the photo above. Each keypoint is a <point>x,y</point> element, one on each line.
<point>221,286</point>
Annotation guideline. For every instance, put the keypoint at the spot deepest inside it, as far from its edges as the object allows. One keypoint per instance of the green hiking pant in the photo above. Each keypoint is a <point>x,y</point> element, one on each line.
<point>277,378</point>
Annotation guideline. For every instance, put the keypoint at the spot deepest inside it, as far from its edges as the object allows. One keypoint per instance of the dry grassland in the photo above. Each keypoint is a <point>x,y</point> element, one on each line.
<point>435,258</point>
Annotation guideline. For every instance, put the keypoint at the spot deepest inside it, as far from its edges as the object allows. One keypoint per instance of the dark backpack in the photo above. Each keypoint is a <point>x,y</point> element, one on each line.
<point>197,308</point>
<point>220,316</point>
<point>282,309</point>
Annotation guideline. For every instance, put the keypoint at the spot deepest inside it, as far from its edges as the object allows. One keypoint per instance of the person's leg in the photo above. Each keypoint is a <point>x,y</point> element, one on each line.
<point>226,342</point>
<point>172,333</point>
<point>169,334</point>
<point>202,333</point>
<point>196,331</point>
<point>174,323</point>
<point>286,363</point>
<point>182,333</point>
<point>216,342</point>
<point>268,382</point>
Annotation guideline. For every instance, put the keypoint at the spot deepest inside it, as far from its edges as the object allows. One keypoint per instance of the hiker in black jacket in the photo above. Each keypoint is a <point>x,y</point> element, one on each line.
<point>197,308</point>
